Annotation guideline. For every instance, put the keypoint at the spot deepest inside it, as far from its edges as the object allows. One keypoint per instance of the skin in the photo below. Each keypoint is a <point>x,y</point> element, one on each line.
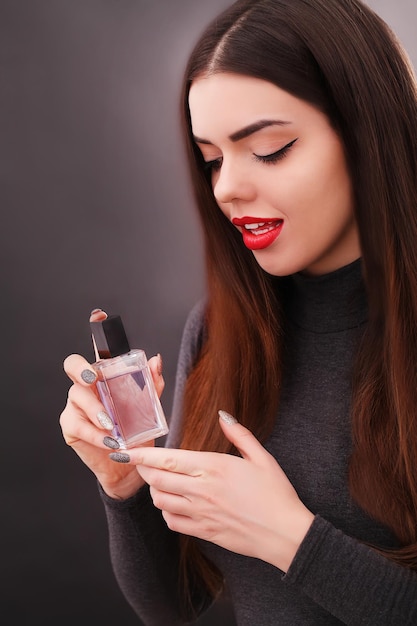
<point>82,430</point>
<point>203,494</point>
<point>245,504</point>
<point>309,187</point>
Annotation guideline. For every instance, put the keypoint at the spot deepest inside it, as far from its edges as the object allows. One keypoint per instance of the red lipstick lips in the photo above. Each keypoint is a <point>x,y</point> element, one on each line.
<point>258,233</point>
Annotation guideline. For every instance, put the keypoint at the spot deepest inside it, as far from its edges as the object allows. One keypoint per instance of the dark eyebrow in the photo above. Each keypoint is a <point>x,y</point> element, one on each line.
<point>248,130</point>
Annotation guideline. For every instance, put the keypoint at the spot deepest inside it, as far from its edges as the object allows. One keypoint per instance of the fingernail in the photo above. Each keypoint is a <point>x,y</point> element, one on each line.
<point>105,420</point>
<point>119,457</point>
<point>111,443</point>
<point>96,311</point>
<point>88,376</point>
<point>160,365</point>
<point>227,418</point>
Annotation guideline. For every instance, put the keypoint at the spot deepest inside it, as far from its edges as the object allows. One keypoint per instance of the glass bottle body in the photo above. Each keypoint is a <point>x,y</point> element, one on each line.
<point>127,391</point>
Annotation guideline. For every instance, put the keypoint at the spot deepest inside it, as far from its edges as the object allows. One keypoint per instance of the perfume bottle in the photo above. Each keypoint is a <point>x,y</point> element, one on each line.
<point>125,385</point>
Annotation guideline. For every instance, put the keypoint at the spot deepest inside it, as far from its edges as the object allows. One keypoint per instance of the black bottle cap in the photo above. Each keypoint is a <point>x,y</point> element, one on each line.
<point>110,337</point>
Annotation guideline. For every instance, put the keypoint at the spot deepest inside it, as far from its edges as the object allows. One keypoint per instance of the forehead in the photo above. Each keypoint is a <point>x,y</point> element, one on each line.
<point>231,101</point>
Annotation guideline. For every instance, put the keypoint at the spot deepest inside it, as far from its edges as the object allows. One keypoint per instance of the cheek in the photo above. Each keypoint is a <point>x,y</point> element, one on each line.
<point>339,187</point>
<point>213,181</point>
<point>224,208</point>
<point>325,185</point>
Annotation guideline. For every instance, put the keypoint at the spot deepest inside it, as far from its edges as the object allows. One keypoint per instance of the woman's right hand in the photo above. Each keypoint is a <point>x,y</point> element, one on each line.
<point>83,424</point>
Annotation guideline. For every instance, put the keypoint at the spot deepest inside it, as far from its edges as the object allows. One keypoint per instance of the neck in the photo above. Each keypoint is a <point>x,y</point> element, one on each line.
<point>326,303</point>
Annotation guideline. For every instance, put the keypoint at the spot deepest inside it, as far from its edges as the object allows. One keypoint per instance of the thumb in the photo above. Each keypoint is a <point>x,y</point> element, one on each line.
<point>155,366</point>
<point>242,438</point>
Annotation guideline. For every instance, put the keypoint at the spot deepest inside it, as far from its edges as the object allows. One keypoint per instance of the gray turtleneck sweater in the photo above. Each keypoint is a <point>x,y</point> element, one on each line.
<point>335,578</point>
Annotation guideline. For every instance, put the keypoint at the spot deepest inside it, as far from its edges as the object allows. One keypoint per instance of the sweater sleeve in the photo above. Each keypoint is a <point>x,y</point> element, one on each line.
<point>144,552</point>
<point>352,581</point>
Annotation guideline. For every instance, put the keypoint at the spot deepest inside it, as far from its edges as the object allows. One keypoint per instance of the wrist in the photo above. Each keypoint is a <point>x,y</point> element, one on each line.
<point>123,489</point>
<point>300,529</point>
<point>289,543</point>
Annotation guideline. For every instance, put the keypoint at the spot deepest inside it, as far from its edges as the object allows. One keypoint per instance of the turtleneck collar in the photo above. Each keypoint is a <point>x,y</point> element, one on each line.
<point>325,304</point>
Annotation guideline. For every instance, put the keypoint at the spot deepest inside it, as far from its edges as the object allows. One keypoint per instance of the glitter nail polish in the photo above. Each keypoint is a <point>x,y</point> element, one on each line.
<point>88,376</point>
<point>105,420</point>
<point>111,443</point>
<point>120,457</point>
<point>227,418</point>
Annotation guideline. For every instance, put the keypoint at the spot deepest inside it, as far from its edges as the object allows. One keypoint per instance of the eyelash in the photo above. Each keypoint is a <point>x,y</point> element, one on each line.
<point>275,156</point>
<point>269,159</point>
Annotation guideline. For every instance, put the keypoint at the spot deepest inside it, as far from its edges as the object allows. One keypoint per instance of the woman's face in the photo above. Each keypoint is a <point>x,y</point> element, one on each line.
<point>278,172</point>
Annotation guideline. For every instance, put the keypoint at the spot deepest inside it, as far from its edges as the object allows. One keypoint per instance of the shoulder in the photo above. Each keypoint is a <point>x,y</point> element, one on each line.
<point>194,333</point>
<point>193,336</point>
<point>194,327</point>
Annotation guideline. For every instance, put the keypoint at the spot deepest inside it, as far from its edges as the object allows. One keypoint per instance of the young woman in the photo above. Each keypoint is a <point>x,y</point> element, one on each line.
<point>300,118</point>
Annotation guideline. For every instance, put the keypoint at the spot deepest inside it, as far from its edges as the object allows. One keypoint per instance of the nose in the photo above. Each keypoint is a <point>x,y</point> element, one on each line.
<point>232,183</point>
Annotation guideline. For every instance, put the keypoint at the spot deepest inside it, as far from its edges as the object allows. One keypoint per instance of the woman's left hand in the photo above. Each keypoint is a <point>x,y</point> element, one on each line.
<point>244,504</point>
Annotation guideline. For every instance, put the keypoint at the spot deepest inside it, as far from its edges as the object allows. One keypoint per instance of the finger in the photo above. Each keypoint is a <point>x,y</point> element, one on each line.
<point>247,444</point>
<point>97,315</point>
<point>182,524</point>
<point>86,401</point>
<point>168,482</point>
<point>171,503</point>
<point>79,370</point>
<point>168,459</point>
<point>77,428</point>
<point>155,366</point>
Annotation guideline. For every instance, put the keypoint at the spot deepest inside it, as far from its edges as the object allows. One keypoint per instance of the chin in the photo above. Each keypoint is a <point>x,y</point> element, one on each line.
<point>274,268</point>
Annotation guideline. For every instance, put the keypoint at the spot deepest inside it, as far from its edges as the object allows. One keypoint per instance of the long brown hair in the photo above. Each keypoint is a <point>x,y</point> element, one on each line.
<point>341,57</point>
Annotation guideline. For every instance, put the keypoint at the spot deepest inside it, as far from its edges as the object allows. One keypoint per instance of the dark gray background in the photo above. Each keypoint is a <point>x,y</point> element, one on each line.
<point>96,212</point>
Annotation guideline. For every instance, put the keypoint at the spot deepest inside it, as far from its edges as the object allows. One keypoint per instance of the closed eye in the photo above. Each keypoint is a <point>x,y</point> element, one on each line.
<point>275,156</point>
<point>214,165</point>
